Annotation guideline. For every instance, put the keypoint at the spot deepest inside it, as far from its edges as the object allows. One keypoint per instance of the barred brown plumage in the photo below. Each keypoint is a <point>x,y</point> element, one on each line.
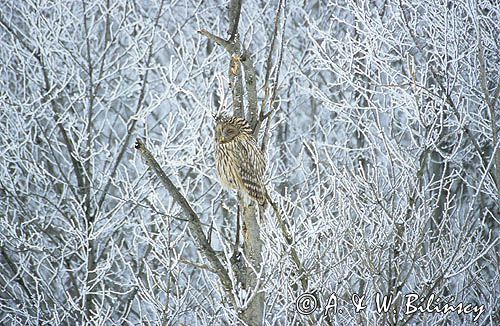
<point>240,163</point>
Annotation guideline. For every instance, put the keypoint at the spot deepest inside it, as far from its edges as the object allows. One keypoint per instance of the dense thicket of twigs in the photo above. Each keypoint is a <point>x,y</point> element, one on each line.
<point>382,132</point>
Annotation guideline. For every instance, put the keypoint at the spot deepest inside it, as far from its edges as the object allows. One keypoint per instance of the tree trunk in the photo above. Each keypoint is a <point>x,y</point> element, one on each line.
<point>252,249</point>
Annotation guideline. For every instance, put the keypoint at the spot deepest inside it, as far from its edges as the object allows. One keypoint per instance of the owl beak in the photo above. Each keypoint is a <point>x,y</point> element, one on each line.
<point>221,139</point>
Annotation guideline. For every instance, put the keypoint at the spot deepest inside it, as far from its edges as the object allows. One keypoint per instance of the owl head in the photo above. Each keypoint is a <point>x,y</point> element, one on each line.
<point>227,129</point>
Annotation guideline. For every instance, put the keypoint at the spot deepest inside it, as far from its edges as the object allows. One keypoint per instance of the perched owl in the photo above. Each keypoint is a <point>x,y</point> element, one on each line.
<point>240,163</point>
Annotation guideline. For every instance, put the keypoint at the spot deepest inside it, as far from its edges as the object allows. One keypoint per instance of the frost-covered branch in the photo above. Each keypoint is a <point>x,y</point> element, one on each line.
<point>193,219</point>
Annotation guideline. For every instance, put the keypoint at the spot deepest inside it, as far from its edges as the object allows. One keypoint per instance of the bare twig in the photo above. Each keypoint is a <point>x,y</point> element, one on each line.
<point>449,100</point>
<point>133,122</point>
<point>77,165</point>
<point>291,245</point>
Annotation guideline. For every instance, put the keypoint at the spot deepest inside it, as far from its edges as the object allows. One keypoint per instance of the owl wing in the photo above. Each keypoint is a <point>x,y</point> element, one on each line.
<point>252,170</point>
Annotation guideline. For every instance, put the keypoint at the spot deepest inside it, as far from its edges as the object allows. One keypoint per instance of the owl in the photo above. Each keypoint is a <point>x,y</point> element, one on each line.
<point>240,163</point>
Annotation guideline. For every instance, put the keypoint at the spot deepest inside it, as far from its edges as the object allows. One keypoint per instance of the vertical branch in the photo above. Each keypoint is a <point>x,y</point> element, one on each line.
<point>143,82</point>
<point>491,106</point>
<point>253,252</point>
<point>233,47</point>
<point>269,68</point>
<point>234,71</point>
<point>88,298</point>
<point>236,80</point>
<point>234,19</point>
<point>253,314</point>
<point>273,104</point>
<point>90,113</point>
<point>250,86</point>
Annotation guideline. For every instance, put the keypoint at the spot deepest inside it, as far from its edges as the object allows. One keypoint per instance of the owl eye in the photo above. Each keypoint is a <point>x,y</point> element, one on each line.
<point>231,131</point>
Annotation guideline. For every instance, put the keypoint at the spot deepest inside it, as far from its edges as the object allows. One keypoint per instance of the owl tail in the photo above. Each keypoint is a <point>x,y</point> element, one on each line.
<point>262,197</point>
<point>255,190</point>
<point>259,196</point>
